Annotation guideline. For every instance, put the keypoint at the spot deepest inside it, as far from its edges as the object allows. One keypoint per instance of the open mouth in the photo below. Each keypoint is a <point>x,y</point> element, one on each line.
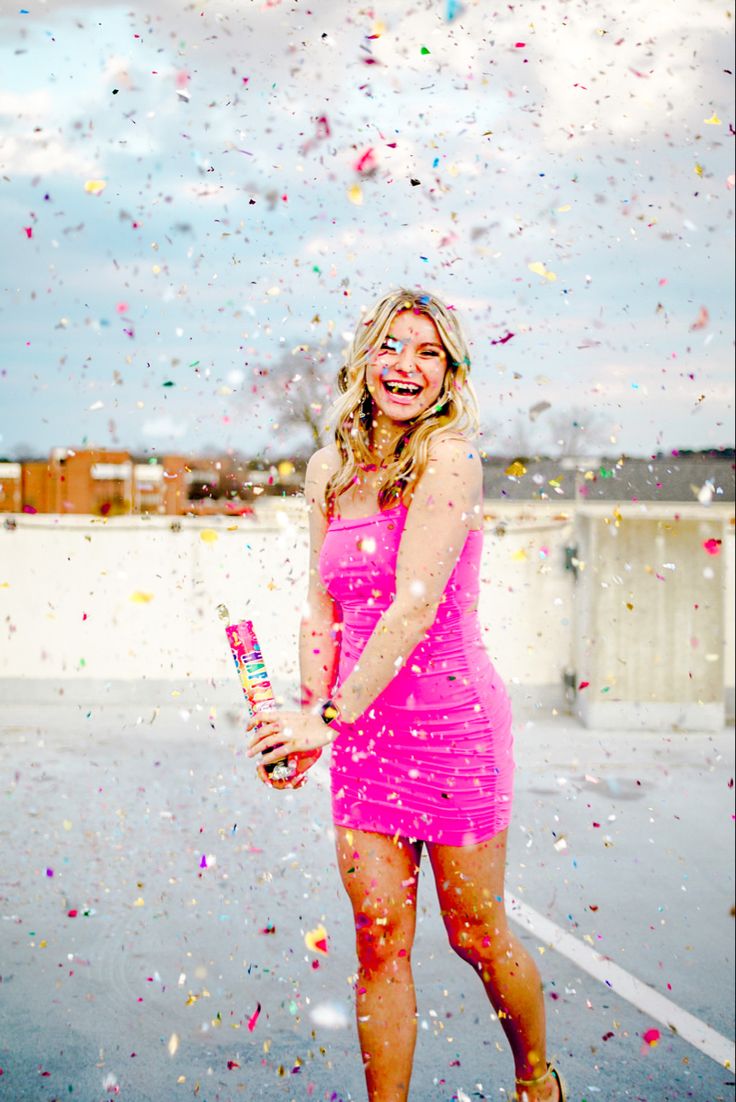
<point>402,390</point>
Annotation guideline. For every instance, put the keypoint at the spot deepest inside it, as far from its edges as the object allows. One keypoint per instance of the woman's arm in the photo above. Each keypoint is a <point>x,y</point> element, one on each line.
<point>437,523</point>
<point>319,631</point>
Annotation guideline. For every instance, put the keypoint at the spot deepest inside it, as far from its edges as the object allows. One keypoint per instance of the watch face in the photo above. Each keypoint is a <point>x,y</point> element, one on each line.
<point>329,712</point>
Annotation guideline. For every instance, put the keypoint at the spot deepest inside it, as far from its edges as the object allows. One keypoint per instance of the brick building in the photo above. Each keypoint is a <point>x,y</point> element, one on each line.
<point>98,482</point>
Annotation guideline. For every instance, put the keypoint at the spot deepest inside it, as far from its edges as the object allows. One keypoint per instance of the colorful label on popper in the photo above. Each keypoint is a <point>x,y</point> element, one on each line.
<point>251,668</point>
<point>246,652</point>
<point>254,679</point>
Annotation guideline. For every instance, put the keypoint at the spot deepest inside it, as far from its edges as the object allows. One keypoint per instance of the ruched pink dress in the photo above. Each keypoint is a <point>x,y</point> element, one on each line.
<point>432,757</point>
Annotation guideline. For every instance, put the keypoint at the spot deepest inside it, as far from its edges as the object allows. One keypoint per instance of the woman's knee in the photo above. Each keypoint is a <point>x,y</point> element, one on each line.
<point>479,941</point>
<point>383,940</point>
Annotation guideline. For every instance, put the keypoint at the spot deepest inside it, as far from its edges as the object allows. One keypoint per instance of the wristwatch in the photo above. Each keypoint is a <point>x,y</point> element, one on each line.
<point>329,711</point>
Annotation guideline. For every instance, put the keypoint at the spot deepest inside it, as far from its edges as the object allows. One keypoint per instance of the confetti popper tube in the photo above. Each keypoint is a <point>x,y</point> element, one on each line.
<point>248,658</point>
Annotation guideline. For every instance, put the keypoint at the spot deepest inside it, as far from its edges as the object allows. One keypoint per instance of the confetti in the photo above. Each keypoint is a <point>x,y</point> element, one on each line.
<point>95,187</point>
<point>316,940</point>
<point>515,469</point>
<point>539,269</point>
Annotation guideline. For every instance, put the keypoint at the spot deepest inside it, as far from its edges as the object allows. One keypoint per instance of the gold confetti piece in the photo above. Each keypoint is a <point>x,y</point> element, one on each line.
<point>699,170</point>
<point>208,535</point>
<point>520,555</point>
<point>67,824</point>
<point>173,1044</point>
<point>316,940</point>
<point>140,902</point>
<point>516,469</point>
<point>141,598</point>
<point>565,209</point>
<point>285,468</point>
<point>191,1000</point>
<point>95,187</point>
<point>539,269</point>
<point>713,120</point>
<point>43,944</point>
<point>355,194</point>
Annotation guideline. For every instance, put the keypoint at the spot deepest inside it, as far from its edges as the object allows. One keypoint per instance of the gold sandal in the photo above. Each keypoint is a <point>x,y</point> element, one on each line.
<point>551,1071</point>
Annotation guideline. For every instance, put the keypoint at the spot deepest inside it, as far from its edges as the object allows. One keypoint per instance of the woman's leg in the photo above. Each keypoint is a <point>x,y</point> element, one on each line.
<point>380,875</point>
<point>470,888</point>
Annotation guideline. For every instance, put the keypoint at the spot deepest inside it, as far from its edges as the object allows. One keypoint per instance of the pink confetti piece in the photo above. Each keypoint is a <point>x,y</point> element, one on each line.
<point>254,1017</point>
<point>712,546</point>
<point>652,1036</point>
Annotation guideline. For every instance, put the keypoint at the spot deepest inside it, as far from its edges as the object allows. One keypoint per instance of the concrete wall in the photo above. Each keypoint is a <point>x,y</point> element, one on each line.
<point>125,608</point>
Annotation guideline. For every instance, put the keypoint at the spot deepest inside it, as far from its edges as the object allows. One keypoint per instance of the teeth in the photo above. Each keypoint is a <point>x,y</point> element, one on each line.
<point>402,388</point>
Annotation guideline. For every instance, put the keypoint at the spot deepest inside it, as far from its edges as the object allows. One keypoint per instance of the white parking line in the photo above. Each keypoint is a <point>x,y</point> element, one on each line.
<point>650,1002</point>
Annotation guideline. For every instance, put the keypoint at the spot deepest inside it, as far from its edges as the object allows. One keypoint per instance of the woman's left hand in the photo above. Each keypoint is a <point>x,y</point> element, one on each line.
<point>279,734</point>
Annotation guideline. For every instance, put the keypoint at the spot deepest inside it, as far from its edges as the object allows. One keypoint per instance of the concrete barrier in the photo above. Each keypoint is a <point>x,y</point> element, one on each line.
<point>123,609</point>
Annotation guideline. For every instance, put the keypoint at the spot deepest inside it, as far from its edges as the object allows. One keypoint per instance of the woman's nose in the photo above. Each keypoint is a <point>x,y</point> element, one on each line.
<point>405,360</point>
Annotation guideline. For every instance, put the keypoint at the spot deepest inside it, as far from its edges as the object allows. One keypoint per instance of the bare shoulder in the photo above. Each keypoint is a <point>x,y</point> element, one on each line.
<point>452,482</point>
<point>455,449</point>
<point>321,465</point>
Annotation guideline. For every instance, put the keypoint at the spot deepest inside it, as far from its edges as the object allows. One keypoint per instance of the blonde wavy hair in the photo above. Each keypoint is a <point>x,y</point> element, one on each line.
<point>352,412</point>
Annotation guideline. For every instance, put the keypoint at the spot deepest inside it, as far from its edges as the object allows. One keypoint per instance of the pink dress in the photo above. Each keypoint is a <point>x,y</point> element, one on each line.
<point>432,757</point>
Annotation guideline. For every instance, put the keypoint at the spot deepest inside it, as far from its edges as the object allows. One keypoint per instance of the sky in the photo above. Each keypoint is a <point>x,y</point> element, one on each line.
<point>193,194</point>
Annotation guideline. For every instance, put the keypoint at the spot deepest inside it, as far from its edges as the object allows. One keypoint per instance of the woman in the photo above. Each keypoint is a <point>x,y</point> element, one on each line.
<point>420,722</point>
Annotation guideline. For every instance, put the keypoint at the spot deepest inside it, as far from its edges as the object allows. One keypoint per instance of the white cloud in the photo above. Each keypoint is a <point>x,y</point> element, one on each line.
<point>27,105</point>
<point>41,156</point>
<point>164,428</point>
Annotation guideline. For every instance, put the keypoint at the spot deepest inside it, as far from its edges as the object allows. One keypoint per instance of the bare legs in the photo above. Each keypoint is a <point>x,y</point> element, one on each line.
<point>470,889</point>
<point>380,877</point>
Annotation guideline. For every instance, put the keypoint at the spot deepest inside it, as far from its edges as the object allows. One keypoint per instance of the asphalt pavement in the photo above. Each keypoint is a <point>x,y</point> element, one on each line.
<point>160,909</point>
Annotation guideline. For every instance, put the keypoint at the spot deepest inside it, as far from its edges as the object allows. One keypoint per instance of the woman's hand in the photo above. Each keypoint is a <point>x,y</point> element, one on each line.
<point>286,734</point>
<point>298,763</point>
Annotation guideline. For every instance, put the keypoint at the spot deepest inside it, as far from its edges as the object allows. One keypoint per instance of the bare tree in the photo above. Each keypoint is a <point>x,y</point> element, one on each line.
<point>518,439</point>
<point>300,386</point>
<point>576,432</point>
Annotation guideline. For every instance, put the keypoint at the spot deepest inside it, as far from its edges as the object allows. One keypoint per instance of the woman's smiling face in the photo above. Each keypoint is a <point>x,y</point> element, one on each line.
<point>405,375</point>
